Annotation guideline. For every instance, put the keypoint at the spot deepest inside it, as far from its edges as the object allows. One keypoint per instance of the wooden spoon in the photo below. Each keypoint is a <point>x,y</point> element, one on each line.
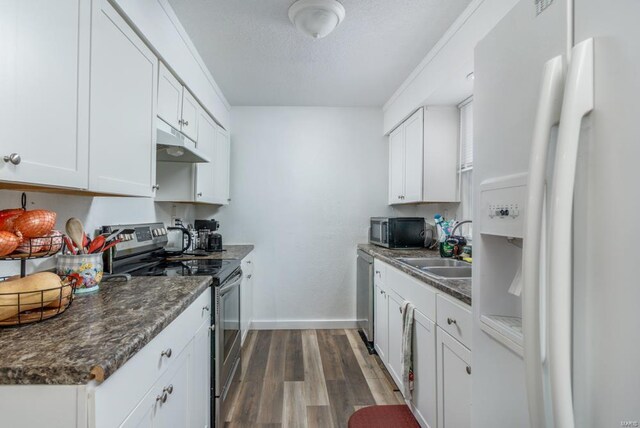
<point>75,231</point>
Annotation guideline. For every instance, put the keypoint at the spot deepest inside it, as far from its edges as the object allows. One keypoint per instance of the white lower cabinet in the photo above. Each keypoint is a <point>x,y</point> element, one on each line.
<point>167,403</point>
<point>454,382</point>
<point>424,402</point>
<point>441,394</point>
<point>201,378</point>
<point>165,384</point>
<point>381,322</point>
<point>246,297</point>
<point>394,356</point>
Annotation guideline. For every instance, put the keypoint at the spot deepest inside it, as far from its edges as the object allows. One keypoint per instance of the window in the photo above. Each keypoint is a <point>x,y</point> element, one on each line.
<point>466,134</point>
<point>465,170</point>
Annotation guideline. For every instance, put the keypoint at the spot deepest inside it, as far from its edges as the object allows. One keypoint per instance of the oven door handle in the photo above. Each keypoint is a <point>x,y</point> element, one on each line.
<point>227,288</point>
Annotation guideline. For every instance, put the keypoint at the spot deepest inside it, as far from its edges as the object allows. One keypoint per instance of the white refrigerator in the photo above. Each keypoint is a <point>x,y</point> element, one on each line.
<point>557,209</point>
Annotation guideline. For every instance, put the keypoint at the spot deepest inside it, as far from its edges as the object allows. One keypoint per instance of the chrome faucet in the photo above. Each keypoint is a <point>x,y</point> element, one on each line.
<point>453,231</point>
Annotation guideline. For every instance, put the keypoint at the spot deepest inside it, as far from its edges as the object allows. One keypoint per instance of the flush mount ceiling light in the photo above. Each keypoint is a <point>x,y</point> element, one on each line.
<point>316,18</point>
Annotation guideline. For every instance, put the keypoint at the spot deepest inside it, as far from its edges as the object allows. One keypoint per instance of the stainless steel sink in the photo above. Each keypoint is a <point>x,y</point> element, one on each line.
<point>443,268</point>
<point>450,272</point>
<point>428,263</point>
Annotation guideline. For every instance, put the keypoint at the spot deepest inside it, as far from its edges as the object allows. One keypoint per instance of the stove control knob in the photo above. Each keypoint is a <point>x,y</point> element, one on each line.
<point>163,231</point>
<point>130,237</point>
<point>154,233</point>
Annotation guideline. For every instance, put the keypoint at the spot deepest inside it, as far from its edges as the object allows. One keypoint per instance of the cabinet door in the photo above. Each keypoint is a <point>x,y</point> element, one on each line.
<point>123,107</point>
<point>423,402</point>
<point>454,382</point>
<point>396,165</point>
<point>201,378</point>
<point>413,144</point>
<point>206,172</point>
<point>395,337</point>
<point>175,411</point>
<point>190,114</point>
<point>381,326</point>
<point>44,92</point>
<point>169,97</point>
<point>221,165</point>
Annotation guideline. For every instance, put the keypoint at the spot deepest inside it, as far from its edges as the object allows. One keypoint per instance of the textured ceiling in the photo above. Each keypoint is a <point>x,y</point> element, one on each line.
<point>258,57</point>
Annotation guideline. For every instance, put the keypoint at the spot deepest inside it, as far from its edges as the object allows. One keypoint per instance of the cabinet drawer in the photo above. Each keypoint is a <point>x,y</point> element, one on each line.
<point>417,292</point>
<point>379,272</point>
<point>166,402</point>
<point>455,319</point>
<point>118,395</point>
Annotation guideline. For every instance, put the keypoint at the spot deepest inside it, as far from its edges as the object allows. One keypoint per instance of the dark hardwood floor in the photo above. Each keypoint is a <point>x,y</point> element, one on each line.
<point>306,378</point>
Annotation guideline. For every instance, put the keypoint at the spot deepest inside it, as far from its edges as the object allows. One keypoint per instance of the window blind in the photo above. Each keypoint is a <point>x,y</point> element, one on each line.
<point>466,135</point>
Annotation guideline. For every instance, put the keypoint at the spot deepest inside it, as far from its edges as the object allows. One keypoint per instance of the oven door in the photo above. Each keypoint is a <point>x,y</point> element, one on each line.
<point>227,332</point>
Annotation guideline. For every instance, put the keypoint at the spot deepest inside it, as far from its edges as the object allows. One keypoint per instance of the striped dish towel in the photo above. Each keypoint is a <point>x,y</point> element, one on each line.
<point>407,349</point>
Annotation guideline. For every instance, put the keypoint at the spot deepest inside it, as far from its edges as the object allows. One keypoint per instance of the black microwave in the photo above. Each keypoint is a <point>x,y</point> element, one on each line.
<point>397,232</point>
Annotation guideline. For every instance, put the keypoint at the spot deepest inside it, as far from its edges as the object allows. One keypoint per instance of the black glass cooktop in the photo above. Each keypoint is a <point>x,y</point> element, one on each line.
<point>220,269</point>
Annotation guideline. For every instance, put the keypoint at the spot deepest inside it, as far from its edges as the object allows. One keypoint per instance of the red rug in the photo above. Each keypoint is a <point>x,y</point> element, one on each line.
<point>395,416</point>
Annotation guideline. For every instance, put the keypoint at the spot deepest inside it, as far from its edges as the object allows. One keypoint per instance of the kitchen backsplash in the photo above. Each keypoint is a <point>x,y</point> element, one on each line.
<point>93,212</point>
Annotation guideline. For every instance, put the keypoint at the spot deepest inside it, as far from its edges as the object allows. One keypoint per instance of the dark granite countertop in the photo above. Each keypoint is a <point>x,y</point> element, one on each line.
<point>458,288</point>
<point>232,252</point>
<point>98,333</point>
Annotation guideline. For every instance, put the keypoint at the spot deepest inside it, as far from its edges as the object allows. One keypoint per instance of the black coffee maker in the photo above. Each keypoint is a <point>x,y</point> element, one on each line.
<point>208,239</point>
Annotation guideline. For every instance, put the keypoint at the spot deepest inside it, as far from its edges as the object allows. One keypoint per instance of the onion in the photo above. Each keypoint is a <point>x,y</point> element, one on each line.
<point>8,243</point>
<point>34,224</point>
<point>7,217</point>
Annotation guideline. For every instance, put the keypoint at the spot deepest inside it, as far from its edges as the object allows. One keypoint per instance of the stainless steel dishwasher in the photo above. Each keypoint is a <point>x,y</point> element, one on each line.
<point>364,298</point>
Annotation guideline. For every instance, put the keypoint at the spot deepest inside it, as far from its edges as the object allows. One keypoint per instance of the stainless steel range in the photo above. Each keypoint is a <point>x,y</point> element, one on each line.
<point>142,253</point>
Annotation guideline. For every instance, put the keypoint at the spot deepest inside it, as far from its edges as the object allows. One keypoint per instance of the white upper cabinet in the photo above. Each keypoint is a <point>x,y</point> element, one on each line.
<point>206,172</point>
<point>169,97</point>
<point>124,74</point>
<point>190,113</point>
<point>176,105</point>
<point>413,158</point>
<point>396,165</point>
<point>44,92</point>
<point>221,165</point>
<point>423,157</point>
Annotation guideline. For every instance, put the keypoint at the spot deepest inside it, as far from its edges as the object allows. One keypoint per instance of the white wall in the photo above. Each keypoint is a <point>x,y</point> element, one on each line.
<point>440,79</point>
<point>93,212</point>
<point>304,183</point>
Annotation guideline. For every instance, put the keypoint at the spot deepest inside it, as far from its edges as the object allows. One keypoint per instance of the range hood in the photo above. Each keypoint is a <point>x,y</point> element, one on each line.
<point>173,146</point>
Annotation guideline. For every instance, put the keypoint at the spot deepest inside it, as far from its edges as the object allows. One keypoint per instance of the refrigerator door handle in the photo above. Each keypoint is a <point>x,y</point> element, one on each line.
<point>547,116</point>
<point>578,102</point>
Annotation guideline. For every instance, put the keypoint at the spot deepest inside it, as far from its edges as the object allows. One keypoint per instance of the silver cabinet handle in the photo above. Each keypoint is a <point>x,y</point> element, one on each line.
<point>452,321</point>
<point>169,389</point>
<point>248,262</point>
<point>378,272</point>
<point>156,187</point>
<point>212,328</point>
<point>199,194</point>
<point>181,122</point>
<point>206,308</point>
<point>468,369</point>
<point>162,397</point>
<point>14,158</point>
<point>400,309</point>
<point>249,276</point>
<point>167,353</point>
<point>185,122</point>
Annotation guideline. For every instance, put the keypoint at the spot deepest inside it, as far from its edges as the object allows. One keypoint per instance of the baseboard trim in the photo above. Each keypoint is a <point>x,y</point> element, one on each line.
<point>302,324</point>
